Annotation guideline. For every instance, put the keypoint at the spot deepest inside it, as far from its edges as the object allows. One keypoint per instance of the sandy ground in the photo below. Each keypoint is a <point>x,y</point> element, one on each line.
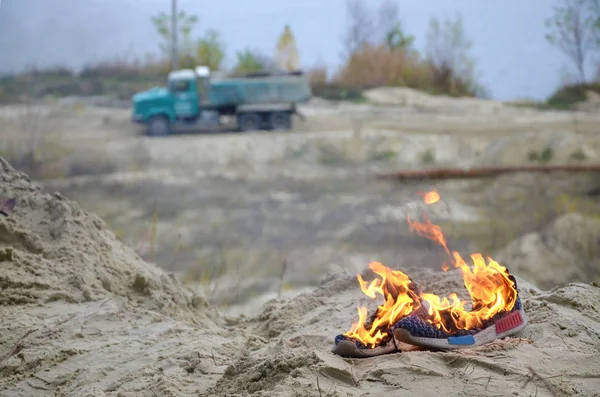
<point>207,204</point>
<point>244,223</point>
<point>212,205</point>
<point>83,315</point>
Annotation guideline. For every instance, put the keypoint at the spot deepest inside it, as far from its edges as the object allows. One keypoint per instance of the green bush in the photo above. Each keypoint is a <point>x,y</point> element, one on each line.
<point>578,155</point>
<point>544,156</point>
<point>569,95</point>
<point>334,92</point>
<point>427,157</point>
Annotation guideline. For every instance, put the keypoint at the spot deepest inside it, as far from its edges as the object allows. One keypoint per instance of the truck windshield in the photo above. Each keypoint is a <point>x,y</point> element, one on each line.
<point>179,86</point>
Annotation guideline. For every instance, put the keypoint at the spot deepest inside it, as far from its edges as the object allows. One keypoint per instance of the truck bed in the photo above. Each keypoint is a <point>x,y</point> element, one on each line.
<point>259,90</point>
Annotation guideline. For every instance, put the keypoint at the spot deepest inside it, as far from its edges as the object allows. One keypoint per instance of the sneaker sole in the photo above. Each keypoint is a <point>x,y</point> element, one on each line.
<point>349,349</point>
<point>507,325</point>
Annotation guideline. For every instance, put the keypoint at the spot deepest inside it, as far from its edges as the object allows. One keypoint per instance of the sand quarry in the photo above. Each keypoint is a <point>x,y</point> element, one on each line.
<point>82,314</point>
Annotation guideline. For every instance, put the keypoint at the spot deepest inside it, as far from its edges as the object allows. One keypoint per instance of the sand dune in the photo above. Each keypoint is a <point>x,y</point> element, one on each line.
<point>83,315</point>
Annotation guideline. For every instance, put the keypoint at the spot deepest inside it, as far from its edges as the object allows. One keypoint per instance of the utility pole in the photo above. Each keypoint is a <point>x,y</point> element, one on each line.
<point>174,52</point>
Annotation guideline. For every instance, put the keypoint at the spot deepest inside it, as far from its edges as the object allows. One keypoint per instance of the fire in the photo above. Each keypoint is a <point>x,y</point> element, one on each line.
<point>431,197</point>
<point>488,283</point>
<point>400,297</point>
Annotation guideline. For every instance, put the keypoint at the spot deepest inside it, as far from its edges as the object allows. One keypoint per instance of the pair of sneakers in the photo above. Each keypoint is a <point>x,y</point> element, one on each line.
<point>414,330</point>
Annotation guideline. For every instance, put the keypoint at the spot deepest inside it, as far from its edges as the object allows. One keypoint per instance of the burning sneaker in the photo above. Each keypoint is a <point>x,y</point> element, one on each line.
<point>409,316</point>
<point>418,331</point>
<point>372,336</point>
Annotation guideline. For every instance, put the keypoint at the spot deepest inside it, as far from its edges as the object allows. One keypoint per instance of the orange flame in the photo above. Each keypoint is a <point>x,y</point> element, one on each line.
<point>431,197</point>
<point>400,297</point>
<point>488,283</point>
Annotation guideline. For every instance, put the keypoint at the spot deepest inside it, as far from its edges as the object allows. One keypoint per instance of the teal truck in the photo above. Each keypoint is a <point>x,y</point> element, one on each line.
<point>194,97</point>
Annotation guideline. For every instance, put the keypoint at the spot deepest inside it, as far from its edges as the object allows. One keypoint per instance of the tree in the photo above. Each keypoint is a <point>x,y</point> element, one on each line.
<point>574,30</point>
<point>360,26</point>
<point>388,17</point>
<point>163,28</point>
<point>210,50</point>
<point>396,38</point>
<point>251,61</point>
<point>448,55</point>
<point>287,53</point>
<point>390,27</point>
<point>185,24</point>
<point>594,8</point>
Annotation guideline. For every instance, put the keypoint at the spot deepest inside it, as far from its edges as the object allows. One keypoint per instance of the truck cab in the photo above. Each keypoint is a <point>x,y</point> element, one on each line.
<point>193,96</point>
<point>162,108</point>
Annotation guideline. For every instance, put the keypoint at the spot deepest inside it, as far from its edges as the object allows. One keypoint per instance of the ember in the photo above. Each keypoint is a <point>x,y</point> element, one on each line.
<point>492,289</point>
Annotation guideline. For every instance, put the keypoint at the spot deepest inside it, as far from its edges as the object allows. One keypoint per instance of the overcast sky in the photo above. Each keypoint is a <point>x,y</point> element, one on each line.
<point>512,57</point>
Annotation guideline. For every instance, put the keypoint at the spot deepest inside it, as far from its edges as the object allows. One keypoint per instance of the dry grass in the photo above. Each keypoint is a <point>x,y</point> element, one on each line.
<point>380,66</point>
<point>219,269</point>
<point>371,66</point>
<point>31,138</point>
<point>219,266</point>
<point>509,212</point>
<point>317,77</point>
<point>37,139</point>
<point>357,150</point>
<point>128,68</point>
<point>119,77</point>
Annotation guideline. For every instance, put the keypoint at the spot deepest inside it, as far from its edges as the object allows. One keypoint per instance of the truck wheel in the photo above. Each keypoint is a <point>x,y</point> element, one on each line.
<point>280,121</point>
<point>158,126</point>
<point>248,121</point>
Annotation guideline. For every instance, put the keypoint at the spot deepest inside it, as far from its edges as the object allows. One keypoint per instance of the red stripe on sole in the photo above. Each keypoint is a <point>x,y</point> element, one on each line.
<point>510,321</point>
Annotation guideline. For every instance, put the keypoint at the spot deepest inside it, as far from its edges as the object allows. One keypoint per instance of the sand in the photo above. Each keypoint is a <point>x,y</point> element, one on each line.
<point>82,315</point>
<point>571,239</point>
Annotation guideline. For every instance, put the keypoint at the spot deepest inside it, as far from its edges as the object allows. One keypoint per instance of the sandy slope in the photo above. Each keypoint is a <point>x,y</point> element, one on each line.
<point>567,249</point>
<point>82,315</point>
<point>560,343</point>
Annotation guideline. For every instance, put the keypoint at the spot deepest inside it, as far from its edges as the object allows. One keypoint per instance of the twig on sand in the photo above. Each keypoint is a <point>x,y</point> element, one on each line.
<point>488,382</point>
<point>106,301</point>
<point>535,374</point>
<point>281,278</point>
<point>18,346</point>
<point>61,322</point>
<point>319,387</point>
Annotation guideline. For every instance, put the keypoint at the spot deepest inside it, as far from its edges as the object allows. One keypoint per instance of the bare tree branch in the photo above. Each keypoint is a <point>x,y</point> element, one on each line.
<point>388,18</point>
<point>448,53</point>
<point>360,26</point>
<point>573,30</point>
